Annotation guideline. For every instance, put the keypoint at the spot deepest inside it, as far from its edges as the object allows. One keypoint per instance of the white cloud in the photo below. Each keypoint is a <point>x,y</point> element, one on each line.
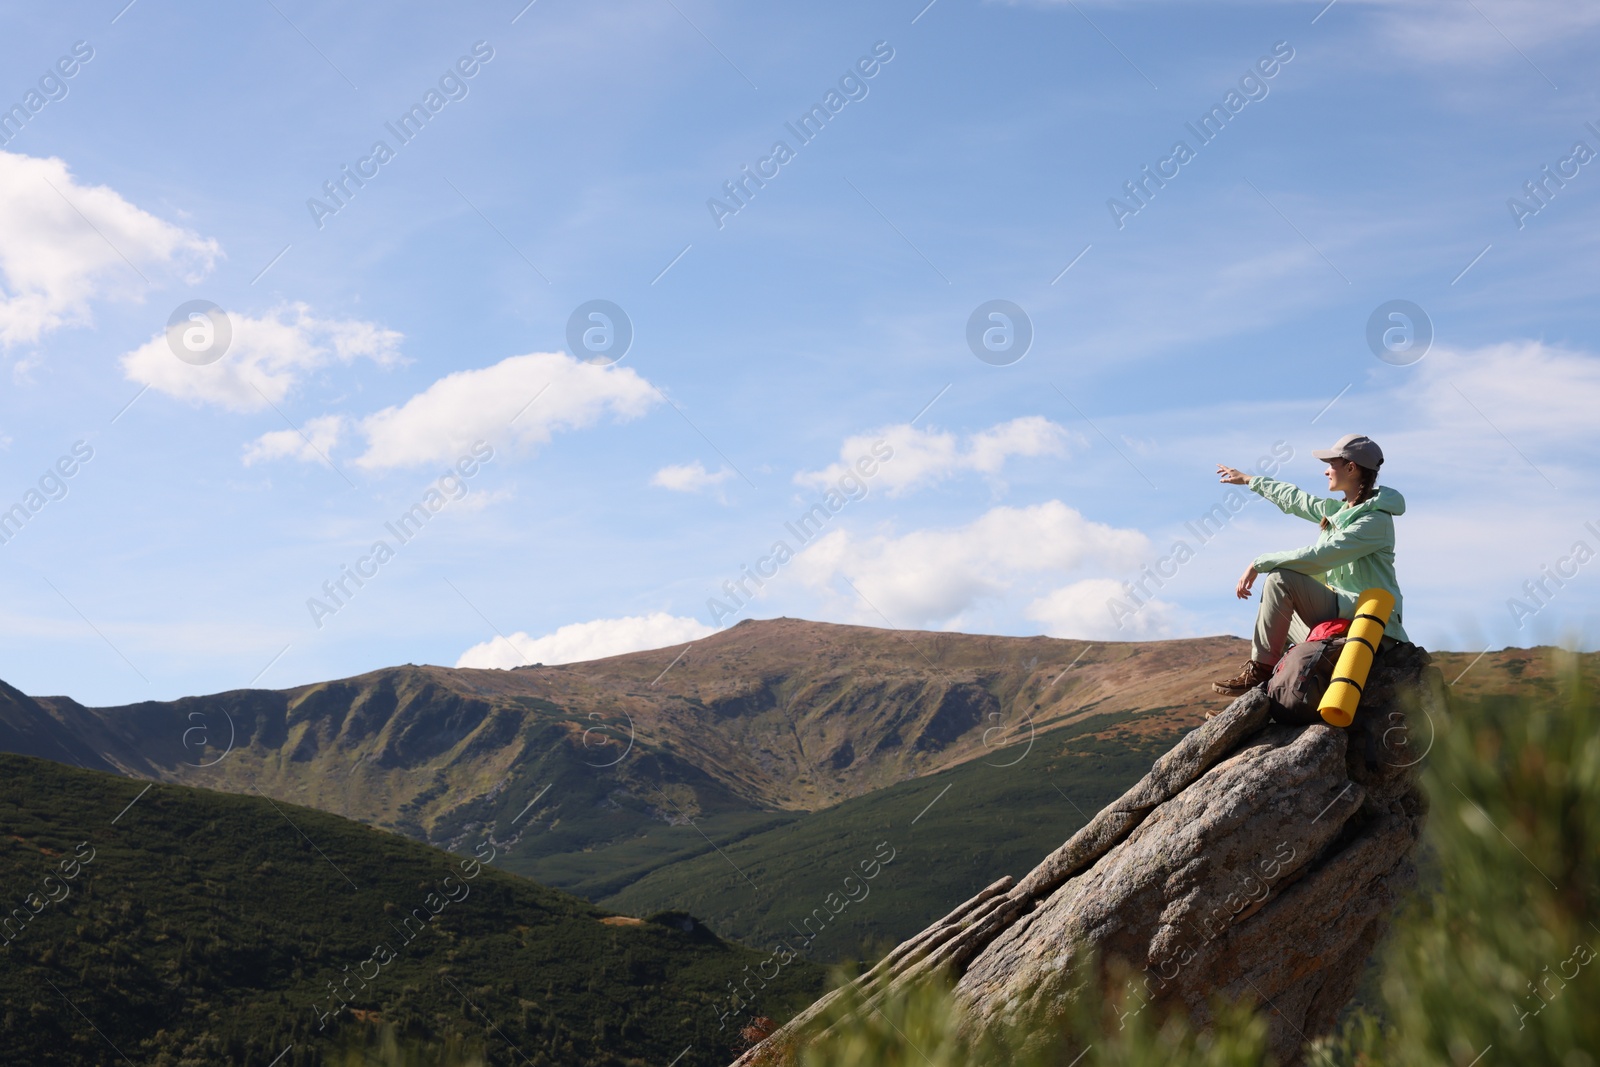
<point>1541,397</point>
<point>932,577</point>
<point>926,457</point>
<point>317,442</point>
<point>266,359</point>
<point>22,369</point>
<point>689,477</point>
<point>581,641</point>
<point>1444,31</point>
<point>64,245</point>
<point>1447,31</point>
<point>482,499</point>
<point>526,397</point>
<point>1083,610</point>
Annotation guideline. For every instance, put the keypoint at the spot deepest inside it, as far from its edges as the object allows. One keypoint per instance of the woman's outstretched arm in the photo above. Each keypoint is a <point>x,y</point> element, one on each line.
<point>1290,499</point>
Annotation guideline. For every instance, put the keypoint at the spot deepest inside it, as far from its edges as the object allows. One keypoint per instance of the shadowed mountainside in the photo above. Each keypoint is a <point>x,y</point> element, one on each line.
<point>182,926</point>
<point>951,834</point>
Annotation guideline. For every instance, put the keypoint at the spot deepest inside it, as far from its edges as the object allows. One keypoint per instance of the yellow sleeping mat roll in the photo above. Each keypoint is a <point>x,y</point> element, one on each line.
<point>1338,705</point>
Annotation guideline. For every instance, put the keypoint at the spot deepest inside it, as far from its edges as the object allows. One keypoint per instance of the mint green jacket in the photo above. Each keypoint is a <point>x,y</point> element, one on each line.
<point>1354,554</point>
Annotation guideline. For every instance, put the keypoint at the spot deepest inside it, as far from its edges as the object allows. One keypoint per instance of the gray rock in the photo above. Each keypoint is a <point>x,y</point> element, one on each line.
<point>1255,861</point>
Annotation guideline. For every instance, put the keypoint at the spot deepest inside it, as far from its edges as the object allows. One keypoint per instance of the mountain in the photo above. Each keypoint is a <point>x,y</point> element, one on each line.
<point>593,776</point>
<point>27,729</point>
<point>169,925</point>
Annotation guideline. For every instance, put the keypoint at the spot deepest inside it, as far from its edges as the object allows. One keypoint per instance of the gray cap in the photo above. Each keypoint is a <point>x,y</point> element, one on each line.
<point>1356,447</point>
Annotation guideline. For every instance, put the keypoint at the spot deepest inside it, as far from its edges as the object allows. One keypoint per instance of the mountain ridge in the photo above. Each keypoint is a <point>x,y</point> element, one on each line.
<point>595,774</point>
<point>833,713</point>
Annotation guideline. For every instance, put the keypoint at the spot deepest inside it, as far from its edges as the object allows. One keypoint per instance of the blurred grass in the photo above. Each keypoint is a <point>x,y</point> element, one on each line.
<point>384,1047</point>
<point>1500,959</point>
<point>919,1027</point>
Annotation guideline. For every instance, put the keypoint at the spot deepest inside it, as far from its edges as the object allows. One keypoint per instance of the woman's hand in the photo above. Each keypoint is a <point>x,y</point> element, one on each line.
<point>1242,590</point>
<point>1229,476</point>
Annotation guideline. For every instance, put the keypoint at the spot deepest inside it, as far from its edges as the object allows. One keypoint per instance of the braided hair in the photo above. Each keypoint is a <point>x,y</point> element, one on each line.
<point>1369,486</point>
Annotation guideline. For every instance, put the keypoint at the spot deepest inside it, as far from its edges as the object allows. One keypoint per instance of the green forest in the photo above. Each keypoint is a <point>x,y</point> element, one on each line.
<point>173,926</point>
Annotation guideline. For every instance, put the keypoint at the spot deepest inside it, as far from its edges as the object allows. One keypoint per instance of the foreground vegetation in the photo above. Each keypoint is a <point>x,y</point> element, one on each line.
<point>178,926</point>
<point>1495,962</point>
<point>1503,959</point>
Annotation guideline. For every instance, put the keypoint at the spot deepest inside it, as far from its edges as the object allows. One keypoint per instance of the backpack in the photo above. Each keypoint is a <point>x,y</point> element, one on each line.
<point>1301,677</point>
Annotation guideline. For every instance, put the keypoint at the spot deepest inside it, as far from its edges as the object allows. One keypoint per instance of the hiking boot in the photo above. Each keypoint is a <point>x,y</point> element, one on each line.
<point>1254,673</point>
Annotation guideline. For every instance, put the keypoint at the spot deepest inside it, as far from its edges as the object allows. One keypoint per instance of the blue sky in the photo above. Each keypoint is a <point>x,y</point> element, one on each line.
<point>372,346</point>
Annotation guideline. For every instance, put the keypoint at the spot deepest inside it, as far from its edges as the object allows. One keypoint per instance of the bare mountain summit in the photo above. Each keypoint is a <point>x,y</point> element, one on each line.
<point>1255,861</point>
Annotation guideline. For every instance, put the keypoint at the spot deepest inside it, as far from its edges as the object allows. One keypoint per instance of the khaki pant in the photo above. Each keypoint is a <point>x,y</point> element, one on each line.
<point>1291,604</point>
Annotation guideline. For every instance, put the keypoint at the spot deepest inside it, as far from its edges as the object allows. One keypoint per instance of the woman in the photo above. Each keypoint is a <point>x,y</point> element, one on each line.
<point>1353,553</point>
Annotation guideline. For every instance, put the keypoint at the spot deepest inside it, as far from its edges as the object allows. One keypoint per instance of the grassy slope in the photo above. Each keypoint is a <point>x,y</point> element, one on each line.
<point>590,830</point>
<point>207,926</point>
<point>986,820</point>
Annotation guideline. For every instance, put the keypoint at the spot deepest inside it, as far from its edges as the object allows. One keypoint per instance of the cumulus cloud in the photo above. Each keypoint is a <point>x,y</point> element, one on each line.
<point>527,398</point>
<point>1082,610</point>
<point>65,245</point>
<point>689,477</point>
<point>1541,397</point>
<point>932,577</point>
<point>926,457</point>
<point>266,359</point>
<point>581,641</point>
<point>312,446</point>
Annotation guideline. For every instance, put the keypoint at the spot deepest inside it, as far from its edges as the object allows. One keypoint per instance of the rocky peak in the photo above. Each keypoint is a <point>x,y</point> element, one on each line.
<point>1256,861</point>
